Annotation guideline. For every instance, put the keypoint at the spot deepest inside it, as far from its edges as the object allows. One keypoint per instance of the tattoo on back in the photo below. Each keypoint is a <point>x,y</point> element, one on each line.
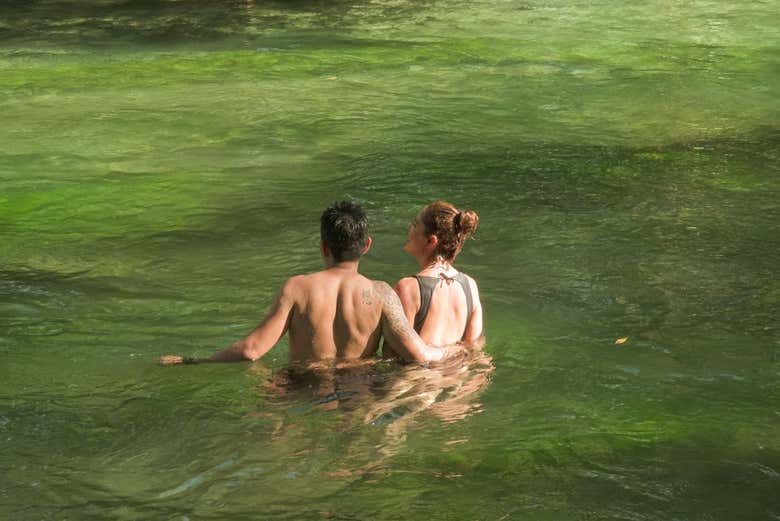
<point>367,296</point>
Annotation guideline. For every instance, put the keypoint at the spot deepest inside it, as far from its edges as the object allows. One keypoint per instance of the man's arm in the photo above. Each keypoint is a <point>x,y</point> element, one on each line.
<point>407,291</point>
<point>399,334</point>
<point>259,341</point>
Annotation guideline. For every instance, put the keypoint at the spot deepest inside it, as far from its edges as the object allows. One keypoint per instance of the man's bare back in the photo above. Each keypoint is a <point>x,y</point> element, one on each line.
<point>333,314</point>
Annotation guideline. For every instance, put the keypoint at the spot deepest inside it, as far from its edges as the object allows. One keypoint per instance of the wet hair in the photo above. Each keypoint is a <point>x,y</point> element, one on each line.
<point>344,229</point>
<point>451,226</point>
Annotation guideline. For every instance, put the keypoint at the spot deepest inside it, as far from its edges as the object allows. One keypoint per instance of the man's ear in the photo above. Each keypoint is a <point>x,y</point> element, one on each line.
<point>369,242</point>
<point>324,250</point>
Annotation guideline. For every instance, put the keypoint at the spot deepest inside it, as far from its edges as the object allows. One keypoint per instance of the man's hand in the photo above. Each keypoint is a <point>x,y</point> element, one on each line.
<point>170,360</point>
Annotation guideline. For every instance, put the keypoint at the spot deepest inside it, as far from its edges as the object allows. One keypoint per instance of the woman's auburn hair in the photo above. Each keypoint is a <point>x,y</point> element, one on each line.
<point>451,226</point>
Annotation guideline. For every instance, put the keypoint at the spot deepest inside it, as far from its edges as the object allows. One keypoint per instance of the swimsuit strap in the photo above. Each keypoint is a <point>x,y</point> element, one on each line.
<point>428,285</point>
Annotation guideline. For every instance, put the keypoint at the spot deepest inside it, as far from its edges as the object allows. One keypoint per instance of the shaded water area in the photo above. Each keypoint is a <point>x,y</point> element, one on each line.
<point>162,169</point>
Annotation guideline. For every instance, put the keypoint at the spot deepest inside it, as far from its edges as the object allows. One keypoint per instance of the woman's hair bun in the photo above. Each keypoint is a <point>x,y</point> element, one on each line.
<point>466,222</point>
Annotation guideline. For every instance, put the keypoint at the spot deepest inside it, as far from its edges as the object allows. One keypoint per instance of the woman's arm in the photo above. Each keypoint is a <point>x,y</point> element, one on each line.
<point>474,337</point>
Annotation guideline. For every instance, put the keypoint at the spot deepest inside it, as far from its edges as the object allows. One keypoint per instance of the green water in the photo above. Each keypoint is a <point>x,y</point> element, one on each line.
<point>162,169</point>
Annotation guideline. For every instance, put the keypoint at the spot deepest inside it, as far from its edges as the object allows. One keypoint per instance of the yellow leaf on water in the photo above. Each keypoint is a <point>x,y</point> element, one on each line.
<point>621,340</point>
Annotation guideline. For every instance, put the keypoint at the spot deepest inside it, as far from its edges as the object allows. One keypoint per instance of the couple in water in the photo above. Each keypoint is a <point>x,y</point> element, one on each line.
<point>338,314</point>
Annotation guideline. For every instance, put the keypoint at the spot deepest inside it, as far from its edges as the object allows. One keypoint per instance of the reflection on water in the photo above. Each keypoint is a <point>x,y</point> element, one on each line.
<point>324,427</point>
<point>382,394</point>
<point>392,401</point>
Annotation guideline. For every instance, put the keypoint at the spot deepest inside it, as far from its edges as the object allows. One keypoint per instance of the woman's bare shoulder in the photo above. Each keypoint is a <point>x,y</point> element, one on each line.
<point>470,279</point>
<point>405,283</point>
<point>408,291</point>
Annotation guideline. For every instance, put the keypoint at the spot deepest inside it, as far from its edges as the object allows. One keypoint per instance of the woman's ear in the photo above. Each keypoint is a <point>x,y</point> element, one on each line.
<point>433,241</point>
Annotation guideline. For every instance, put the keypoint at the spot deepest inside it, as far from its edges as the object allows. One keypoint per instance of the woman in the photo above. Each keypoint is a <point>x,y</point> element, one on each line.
<point>441,302</point>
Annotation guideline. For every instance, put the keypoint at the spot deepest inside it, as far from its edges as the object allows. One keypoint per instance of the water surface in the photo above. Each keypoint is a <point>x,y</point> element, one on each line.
<point>162,170</point>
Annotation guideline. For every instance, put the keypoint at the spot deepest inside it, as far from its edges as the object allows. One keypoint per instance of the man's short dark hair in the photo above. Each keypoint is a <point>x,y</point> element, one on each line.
<point>344,228</point>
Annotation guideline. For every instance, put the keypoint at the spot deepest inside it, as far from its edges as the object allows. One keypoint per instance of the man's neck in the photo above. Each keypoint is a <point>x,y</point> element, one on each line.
<point>344,265</point>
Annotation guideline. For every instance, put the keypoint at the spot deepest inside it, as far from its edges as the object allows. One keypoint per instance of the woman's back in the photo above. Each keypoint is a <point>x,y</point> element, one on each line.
<point>444,309</point>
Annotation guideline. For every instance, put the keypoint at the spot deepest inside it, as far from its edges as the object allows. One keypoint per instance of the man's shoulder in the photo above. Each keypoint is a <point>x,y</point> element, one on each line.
<point>384,292</point>
<point>306,278</point>
<point>295,280</point>
<point>380,286</point>
<point>294,285</point>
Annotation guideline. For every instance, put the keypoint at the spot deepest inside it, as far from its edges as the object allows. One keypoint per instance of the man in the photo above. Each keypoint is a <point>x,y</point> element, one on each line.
<point>334,313</point>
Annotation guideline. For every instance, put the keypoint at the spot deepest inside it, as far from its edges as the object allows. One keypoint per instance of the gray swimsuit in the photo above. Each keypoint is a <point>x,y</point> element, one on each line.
<point>427,285</point>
